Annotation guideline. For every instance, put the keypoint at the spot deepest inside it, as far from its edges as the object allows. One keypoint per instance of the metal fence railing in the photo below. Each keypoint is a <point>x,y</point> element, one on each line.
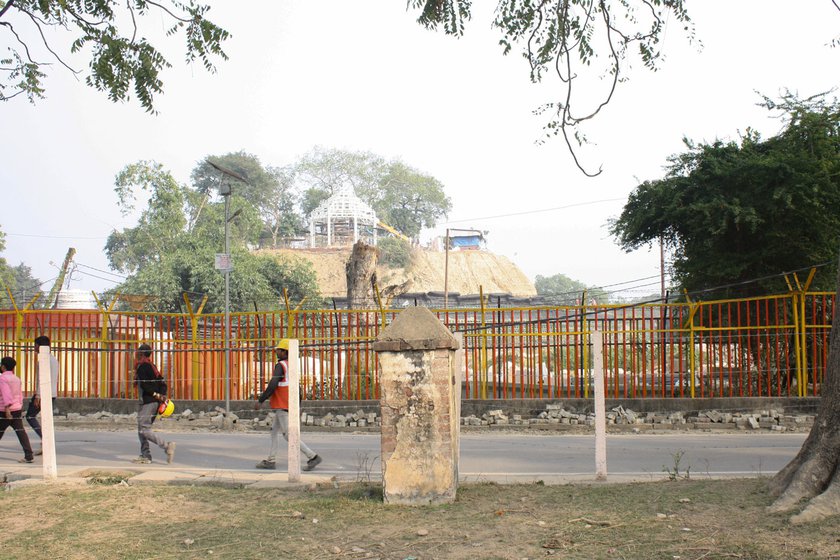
<point>767,346</point>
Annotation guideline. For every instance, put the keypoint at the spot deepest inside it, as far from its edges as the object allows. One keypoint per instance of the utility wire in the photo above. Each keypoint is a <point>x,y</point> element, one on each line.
<point>536,211</point>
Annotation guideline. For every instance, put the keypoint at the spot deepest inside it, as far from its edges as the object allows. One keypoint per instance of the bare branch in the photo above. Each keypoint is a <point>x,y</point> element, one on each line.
<point>19,40</point>
<point>5,9</point>
<point>168,11</point>
<point>5,97</point>
<point>46,43</point>
<point>133,20</point>
<point>574,154</point>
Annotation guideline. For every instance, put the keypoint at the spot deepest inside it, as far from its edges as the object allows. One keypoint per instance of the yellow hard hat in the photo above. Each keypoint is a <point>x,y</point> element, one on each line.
<point>283,344</point>
<point>166,408</point>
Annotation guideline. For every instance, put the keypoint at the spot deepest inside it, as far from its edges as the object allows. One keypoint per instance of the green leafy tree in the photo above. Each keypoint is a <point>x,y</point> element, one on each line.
<point>279,214</point>
<point>18,280</point>
<point>172,248</point>
<point>270,190</point>
<point>738,214</point>
<point>735,212</point>
<point>111,35</point>
<point>401,196</point>
<point>574,41</point>
<point>561,289</point>
<point>558,35</point>
<point>409,200</point>
<point>26,286</point>
<point>394,252</point>
<point>322,172</point>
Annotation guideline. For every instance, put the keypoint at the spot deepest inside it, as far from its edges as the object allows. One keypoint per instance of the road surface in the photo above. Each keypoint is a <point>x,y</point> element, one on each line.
<point>503,457</point>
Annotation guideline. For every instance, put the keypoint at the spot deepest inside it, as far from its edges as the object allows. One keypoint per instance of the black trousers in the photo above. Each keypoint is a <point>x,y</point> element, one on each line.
<point>32,415</point>
<point>16,422</point>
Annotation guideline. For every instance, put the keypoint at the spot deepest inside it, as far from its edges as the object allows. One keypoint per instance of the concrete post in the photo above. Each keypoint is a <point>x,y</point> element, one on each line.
<point>294,411</point>
<point>420,400</point>
<point>47,426</point>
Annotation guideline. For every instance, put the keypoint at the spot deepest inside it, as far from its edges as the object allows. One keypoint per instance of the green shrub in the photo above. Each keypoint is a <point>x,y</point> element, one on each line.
<point>394,252</point>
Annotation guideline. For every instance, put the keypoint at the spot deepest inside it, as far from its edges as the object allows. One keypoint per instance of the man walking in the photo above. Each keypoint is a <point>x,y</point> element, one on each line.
<point>278,393</point>
<point>11,405</point>
<point>35,402</point>
<point>151,388</point>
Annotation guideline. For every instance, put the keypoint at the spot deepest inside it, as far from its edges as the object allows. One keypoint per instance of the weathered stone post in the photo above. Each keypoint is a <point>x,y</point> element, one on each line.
<point>420,399</point>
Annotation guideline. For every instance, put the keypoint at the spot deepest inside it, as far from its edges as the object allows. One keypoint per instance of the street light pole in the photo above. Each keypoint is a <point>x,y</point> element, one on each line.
<point>226,195</point>
<point>446,273</point>
<point>225,191</point>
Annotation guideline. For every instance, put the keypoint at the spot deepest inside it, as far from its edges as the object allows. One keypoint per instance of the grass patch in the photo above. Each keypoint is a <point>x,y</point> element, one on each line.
<point>105,478</point>
<point>689,519</point>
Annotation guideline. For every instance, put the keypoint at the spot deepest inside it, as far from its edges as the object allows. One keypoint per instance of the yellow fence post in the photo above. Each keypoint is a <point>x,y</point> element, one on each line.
<point>483,364</point>
<point>18,322</point>
<point>102,373</point>
<point>379,304</point>
<point>19,315</point>
<point>802,334</point>
<point>584,336</point>
<point>195,359</point>
<point>692,310</point>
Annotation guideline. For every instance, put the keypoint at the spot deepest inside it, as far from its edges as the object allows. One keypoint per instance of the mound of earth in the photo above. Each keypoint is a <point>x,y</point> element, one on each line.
<point>469,271</point>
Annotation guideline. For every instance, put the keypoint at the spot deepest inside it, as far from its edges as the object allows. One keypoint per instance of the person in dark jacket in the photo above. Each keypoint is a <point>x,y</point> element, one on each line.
<point>151,388</point>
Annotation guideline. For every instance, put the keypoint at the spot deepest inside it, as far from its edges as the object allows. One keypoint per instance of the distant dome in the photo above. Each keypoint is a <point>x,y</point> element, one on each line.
<point>75,299</point>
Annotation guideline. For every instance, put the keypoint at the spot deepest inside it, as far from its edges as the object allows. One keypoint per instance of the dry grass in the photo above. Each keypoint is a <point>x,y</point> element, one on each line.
<point>684,519</point>
<point>467,271</point>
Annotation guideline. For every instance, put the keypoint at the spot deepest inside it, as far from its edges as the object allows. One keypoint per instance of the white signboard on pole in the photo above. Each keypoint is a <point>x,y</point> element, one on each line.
<point>223,262</point>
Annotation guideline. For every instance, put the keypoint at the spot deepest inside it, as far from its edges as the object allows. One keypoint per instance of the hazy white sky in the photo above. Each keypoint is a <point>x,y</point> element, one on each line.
<point>365,76</point>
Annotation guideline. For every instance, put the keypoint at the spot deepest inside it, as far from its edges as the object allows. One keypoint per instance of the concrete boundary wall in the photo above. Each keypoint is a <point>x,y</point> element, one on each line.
<point>525,407</point>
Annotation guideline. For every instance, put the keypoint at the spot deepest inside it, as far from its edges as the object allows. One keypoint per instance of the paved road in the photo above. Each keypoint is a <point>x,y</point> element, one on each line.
<point>493,456</point>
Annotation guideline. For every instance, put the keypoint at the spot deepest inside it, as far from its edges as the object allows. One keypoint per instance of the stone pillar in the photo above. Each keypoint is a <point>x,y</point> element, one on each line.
<point>420,400</point>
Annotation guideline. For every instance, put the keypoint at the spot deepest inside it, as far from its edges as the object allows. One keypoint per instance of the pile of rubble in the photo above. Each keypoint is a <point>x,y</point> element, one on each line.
<point>555,415</point>
<point>218,419</point>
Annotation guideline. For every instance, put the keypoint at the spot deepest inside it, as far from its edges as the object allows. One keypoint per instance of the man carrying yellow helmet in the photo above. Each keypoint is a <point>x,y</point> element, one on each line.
<point>277,393</point>
<point>151,388</point>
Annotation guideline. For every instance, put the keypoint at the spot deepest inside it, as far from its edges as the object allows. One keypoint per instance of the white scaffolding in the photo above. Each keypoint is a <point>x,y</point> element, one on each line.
<point>344,219</point>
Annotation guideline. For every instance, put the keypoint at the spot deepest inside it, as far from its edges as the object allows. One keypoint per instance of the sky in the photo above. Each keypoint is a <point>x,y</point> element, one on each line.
<point>364,76</point>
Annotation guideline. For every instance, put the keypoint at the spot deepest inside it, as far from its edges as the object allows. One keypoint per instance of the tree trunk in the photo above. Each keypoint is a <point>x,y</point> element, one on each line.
<point>813,475</point>
<point>361,277</point>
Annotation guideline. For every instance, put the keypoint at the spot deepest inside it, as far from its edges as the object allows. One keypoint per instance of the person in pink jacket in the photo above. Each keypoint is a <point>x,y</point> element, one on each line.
<point>11,406</point>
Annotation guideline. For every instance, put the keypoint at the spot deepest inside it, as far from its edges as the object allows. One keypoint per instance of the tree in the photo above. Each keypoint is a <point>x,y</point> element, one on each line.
<point>110,34</point>
<point>322,171</point>
<point>271,190</point>
<point>18,279</point>
<point>171,250</point>
<point>565,38</point>
<point>280,214</point>
<point>738,214</point>
<point>409,200</point>
<point>401,196</point>
<point>562,290</point>
<point>813,476</point>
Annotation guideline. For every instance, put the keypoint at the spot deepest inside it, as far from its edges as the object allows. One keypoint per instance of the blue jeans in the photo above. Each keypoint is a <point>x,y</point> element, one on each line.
<point>145,417</point>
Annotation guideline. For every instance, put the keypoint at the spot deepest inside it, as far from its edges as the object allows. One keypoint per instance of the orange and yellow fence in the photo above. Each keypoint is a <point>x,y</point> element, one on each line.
<point>768,346</point>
